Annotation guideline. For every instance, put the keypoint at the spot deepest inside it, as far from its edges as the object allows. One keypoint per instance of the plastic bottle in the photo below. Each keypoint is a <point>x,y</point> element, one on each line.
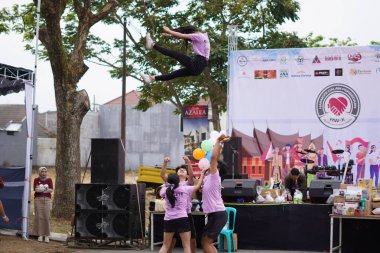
<point>362,209</point>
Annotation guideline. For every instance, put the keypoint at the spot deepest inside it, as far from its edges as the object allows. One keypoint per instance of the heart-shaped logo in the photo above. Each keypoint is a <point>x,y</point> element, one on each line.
<point>337,105</point>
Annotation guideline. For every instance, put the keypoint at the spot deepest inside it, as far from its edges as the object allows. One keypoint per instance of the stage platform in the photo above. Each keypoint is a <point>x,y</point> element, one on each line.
<point>287,227</point>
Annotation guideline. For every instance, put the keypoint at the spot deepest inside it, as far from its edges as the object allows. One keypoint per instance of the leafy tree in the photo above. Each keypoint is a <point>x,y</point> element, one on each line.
<point>65,35</point>
<point>257,19</point>
<point>319,41</point>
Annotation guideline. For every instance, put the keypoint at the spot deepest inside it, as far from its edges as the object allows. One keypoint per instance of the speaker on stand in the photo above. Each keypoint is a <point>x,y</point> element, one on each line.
<point>232,156</point>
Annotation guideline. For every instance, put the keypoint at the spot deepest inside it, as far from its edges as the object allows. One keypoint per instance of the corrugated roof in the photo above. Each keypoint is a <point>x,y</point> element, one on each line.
<point>11,114</point>
<point>131,98</point>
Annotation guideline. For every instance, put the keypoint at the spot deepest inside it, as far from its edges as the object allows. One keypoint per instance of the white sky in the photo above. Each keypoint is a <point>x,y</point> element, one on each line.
<point>357,19</point>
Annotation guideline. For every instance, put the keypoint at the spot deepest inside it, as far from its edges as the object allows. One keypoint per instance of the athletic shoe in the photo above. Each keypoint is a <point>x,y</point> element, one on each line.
<point>40,238</point>
<point>47,239</point>
<point>149,41</point>
<point>147,79</point>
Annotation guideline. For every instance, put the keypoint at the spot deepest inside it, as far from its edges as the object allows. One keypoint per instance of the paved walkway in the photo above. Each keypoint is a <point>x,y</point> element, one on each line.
<point>177,250</point>
<point>62,238</point>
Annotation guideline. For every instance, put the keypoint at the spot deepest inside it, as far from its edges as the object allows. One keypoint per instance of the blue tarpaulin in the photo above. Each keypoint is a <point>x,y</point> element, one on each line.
<point>11,196</point>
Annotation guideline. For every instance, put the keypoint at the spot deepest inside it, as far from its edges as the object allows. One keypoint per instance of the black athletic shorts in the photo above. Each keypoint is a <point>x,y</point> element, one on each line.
<point>192,228</point>
<point>179,225</point>
<point>215,224</point>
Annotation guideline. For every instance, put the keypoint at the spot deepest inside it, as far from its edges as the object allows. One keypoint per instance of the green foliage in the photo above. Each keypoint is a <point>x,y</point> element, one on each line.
<point>213,17</point>
<point>320,41</point>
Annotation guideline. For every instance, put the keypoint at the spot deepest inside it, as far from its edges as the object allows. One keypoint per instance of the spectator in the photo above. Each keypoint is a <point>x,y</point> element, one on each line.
<point>43,187</point>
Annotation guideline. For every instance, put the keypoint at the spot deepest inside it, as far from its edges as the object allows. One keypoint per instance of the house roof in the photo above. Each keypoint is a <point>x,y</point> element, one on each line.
<point>11,114</point>
<point>131,98</point>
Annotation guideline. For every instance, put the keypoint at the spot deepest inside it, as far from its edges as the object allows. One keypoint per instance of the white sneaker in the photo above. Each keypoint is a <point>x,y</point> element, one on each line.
<point>47,239</point>
<point>40,239</point>
<point>149,41</point>
<point>147,79</point>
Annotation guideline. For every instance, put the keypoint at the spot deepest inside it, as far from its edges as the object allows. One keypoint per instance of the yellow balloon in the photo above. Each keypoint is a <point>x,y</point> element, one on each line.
<point>198,153</point>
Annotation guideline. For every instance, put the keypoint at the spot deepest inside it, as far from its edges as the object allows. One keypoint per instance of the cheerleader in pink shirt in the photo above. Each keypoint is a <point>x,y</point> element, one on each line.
<point>176,215</point>
<point>213,204</point>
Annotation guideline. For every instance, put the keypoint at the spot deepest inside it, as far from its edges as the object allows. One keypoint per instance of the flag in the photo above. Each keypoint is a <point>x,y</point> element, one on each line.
<point>267,153</point>
<point>333,156</point>
<point>359,140</point>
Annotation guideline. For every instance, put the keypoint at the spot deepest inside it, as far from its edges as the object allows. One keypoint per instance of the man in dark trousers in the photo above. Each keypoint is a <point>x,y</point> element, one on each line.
<point>295,180</point>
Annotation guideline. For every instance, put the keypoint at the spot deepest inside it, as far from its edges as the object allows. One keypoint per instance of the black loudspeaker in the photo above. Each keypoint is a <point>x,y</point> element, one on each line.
<point>320,190</point>
<point>107,161</point>
<point>233,189</point>
<point>232,155</point>
<point>109,211</point>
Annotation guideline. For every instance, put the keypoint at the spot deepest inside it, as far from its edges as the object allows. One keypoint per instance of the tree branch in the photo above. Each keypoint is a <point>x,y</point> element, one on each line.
<point>78,8</point>
<point>107,8</point>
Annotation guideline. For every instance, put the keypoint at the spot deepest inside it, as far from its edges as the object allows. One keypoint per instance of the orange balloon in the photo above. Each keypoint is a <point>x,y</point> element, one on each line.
<point>198,153</point>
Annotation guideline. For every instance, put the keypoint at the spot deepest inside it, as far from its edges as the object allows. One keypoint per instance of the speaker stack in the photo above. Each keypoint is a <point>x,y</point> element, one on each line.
<point>104,211</point>
<point>107,208</point>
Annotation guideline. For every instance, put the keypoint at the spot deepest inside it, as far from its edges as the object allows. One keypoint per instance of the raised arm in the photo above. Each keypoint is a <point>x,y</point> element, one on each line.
<point>190,179</point>
<point>216,152</point>
<point>174,34</point>
<point>163,169</point>
<point>200,180</point>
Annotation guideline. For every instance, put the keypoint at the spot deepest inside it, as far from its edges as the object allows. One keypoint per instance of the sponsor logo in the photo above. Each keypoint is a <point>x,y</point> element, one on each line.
<point>243,73</point>
<point>269,59</point>
<point>283,60</point>
<point>324,72</point>
<point>354,58</point>
<point>337,106</point>
<point>355,72</point>
<point>338,72</point>
<point>266,74</point>
<point>242,60</point>
<point>333,58</point>
<point>300,59</point>
<point>316,59</point>
<point>284,73</point>
<point>300,73</point>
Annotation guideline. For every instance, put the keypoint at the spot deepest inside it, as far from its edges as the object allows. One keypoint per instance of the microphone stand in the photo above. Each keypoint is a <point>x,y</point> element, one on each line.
<point>234,152</point>
<point>345,169</point>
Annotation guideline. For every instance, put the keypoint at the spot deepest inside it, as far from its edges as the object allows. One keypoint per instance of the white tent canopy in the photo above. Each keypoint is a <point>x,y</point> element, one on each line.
<point>14,80</point>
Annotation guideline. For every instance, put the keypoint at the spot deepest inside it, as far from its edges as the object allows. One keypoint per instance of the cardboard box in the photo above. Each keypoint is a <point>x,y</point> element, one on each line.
<point>235,242</point>
<point>339,199</point>
<point>349,208</point>
<point>353,194</point>
<point>273,192</point>
<point>338,208</point>
<point>344,186</point>
<point>375,205</point>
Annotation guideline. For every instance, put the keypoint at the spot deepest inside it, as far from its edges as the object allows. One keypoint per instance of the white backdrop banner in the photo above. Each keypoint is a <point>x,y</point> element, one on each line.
<point>332,92</point>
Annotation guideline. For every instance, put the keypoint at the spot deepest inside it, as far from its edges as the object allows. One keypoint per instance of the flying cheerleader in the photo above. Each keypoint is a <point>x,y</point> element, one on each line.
<point>192,66</point>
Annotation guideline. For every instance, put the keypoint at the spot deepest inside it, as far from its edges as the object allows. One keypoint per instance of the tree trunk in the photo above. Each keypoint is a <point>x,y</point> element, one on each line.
<point>69,118</point>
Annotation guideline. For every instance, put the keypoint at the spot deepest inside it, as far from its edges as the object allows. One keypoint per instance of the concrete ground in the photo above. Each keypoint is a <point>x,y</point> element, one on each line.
<point>60,237</point>
<point>178,250</point>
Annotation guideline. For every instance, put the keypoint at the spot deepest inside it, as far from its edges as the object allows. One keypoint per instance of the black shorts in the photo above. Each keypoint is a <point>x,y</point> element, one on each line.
<point>215,224</point>
<point>179,225</point>
<point>192,228</point>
